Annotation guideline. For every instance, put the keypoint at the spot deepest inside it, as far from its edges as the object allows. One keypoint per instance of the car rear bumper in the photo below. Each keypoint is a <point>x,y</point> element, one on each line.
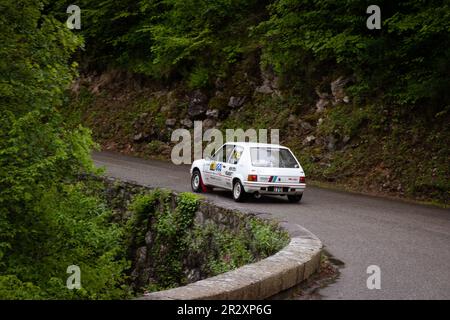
<point>273,188</point>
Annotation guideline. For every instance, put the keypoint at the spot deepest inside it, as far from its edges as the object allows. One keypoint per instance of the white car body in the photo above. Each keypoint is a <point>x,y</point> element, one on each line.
<point>242,161</point>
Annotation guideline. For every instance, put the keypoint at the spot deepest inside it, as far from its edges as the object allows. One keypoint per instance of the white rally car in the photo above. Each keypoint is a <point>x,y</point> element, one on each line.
<point>250,168</point>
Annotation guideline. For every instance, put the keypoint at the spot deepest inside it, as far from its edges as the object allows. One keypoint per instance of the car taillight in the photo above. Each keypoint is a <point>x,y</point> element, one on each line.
<point>252,177</point>
<point>302,180</point>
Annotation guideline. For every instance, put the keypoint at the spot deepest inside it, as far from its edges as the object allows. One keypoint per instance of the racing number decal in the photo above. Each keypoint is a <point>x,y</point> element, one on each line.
<point>215,166</point>
<point>235,156</point>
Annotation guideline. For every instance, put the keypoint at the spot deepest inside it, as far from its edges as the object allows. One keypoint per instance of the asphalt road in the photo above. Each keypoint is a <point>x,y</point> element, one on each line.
<point>410,243</point>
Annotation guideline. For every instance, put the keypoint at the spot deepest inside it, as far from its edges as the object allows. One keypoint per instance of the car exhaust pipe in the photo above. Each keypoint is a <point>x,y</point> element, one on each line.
<point>257,195</point>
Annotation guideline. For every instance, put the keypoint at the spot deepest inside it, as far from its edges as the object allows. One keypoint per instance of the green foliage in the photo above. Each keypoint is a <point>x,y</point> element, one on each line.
<point>72,228</point>
<point>264,241</point>
<point>390,151</point>
<point>187,205</point>
<point>162,38</point>
<point>47,220</point>
<point>231,250</point>
<point>143,207</point>
<point>170,227</point>
<point>345,120</point>
<point>405,60</point>
<point>11,288</point>
<point>222,250</point>
<point>155,146</point>
<point>170,247</point>
<point>197,40</point>
<point>199,78</point>
<point>145,203</point>
<point>33,58</point>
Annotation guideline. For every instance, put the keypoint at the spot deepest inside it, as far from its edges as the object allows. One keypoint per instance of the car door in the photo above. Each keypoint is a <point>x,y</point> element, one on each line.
<point>230,168</point>
<point>217,166</point>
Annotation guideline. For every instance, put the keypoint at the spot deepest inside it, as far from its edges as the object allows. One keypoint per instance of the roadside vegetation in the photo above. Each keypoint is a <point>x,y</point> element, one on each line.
<point>47,220</point>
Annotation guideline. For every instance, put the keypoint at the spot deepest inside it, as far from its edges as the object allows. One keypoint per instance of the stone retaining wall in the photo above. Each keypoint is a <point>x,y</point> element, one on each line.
<point>287,268</point>
<point>266,278</point>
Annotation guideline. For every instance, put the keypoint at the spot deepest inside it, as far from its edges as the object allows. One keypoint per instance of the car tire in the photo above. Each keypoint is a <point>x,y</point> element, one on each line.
<point>239,193</point>
<point>196,182</point>
<point>295,198</point>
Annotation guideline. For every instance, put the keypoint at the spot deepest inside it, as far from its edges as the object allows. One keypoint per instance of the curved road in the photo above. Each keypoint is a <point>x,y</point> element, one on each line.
<point>410,243</point>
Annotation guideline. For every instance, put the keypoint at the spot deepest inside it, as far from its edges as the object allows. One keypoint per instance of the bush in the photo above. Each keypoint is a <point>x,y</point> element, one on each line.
<point>47,220</point>
<point>396,61</point>
<point>199,78</point>
<point>66,227</point>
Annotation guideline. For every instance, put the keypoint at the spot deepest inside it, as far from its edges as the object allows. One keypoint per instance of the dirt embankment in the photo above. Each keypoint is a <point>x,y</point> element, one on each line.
<point>363,148</point>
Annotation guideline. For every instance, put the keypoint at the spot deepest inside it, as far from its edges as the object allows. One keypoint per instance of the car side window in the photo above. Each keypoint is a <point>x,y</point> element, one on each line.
<point>236,155</point>
<point>218,155</point>
<point>223,154</point>
<point>228,150</point>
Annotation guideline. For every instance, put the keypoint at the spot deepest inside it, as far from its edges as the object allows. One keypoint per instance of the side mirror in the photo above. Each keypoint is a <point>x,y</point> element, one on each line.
<point>208,158</point>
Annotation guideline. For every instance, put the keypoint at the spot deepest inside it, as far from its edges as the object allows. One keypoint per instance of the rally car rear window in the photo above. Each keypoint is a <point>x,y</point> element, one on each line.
<point>272,157</point>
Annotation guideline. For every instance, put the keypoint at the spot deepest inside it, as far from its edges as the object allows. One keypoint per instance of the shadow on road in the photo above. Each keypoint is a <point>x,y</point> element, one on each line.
<point>251,199</point>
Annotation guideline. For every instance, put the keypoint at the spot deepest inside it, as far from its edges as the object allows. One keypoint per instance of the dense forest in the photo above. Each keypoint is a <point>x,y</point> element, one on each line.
<point>405,63</point>
<point>368,109</point>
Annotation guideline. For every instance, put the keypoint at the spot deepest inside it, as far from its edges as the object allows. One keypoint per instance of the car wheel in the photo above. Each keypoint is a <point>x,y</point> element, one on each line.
<point>196,181</point>
<point>295,198</point>
<point>238,191</point>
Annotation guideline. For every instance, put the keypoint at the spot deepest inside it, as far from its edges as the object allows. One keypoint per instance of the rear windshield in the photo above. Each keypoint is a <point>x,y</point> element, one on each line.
<point>272,157</point>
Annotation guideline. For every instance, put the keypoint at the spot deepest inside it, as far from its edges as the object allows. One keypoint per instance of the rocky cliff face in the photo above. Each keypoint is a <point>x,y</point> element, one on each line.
<point>147,115</point>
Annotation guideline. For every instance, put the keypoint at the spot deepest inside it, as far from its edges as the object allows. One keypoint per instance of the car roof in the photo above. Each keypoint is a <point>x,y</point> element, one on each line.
<point>255,145</point>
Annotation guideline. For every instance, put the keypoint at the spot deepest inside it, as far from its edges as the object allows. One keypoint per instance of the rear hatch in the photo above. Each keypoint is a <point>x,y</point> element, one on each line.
<point>282,175</point>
